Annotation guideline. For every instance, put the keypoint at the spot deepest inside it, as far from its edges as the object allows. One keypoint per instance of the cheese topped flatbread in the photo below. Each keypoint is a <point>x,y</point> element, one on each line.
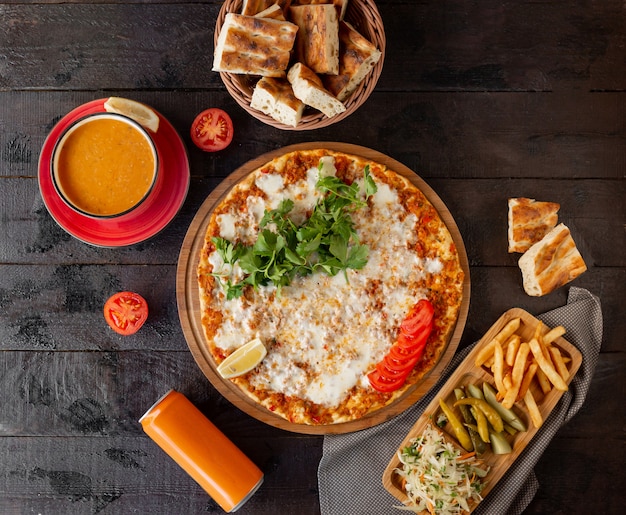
<point>325,334</point>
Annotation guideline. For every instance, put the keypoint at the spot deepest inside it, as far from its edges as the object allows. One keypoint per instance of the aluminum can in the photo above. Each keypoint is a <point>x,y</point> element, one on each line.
<point>202,450</point>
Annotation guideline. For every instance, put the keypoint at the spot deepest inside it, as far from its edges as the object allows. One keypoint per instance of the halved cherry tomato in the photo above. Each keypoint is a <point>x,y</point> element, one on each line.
<point>212,130</point>
<point>126,312</point>
<point>391,373</point>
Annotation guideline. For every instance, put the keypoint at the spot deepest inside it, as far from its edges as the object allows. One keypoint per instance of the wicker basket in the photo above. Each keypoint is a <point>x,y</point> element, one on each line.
<point>365,18</point>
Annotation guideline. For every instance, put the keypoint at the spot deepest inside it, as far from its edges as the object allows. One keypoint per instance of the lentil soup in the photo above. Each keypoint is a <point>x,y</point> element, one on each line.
<point>104,165</point>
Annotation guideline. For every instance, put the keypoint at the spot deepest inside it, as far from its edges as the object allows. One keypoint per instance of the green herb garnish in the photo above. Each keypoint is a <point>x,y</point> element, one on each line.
<point>326,241</point>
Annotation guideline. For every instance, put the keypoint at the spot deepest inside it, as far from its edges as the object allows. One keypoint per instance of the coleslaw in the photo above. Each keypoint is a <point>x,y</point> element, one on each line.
<point>437,478</point>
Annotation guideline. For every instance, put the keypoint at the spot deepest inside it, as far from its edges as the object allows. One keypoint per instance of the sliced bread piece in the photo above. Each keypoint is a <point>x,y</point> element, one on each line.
<point>551,262</point>
<point>275,12</point>
<point>275,98</point>
<point>308,87</point>
<point>317,44</point>
<point>529,221</point>
<point>340,5</point>
<point>253,7</point>
<point>357,56</point>
<point>257,46</point>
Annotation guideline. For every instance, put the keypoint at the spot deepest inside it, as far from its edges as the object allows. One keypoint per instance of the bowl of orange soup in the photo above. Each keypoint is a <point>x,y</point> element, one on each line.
<point>104,165</point>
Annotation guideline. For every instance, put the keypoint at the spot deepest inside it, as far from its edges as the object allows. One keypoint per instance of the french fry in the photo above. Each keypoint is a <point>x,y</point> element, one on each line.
<point>485,353</point>
<point>547,366</point>
<point>517,375</point>
<point>512,345</point>
<point>489,362</point>
<point>507,382</point>
<point>498,367</point>
<point>553,334</point>
<point>544,349</point>
<point>559,364</point>
<point>528,377</point>
<point>533,410</point>
<point>538,331</point>
<point>506,332</point>
<point>543,381</point>
<point>488,350</point>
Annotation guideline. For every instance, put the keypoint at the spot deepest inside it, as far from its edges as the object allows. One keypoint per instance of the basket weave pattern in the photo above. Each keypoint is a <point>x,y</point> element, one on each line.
<point>364,16</point>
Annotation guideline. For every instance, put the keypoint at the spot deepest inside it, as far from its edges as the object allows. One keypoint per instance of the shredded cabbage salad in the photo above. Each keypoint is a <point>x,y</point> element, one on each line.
<point>437,478</point>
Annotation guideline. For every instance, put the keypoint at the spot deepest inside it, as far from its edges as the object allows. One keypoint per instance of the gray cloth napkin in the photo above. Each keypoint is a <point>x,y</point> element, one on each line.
<point>351,468</point>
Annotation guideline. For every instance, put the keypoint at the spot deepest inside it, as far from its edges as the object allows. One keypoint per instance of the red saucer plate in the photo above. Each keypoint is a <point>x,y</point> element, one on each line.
<point>144,222</point>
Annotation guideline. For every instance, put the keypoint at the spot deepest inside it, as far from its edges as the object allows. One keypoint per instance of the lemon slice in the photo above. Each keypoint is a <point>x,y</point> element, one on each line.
<point>243,359</point>
<point>137,111</point>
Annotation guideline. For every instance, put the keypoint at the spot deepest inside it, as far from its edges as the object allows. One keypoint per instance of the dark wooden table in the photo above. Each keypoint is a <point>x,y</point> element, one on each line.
<point>485,100</point>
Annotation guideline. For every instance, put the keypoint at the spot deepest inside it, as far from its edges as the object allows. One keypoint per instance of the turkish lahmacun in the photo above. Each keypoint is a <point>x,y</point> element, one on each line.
<point>325,333</point>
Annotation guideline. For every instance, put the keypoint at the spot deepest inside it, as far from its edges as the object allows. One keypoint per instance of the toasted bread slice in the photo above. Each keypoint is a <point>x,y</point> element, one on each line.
<point>275,98</point>
<point>317,44</point>
<point>274,12</point>
<point>253,7</point>
<point>307,86</point>
<point>357,56</point>
<point>256,46</point>
<point>529,221</point>
<point>551,262</point>
<point>340,5</point>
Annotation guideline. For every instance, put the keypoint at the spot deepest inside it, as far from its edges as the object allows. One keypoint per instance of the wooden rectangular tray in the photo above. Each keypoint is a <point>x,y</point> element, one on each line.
<point>467,373</point>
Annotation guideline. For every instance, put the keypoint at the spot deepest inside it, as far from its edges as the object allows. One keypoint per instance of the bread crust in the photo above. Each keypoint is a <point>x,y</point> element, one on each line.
<point>275,98</point>
<point>317,44</point>
<point>529,221</point>
<point>256,46</point>
<point>254,7</point>
<point>551,263</point>
<point>308,87</point>
<point>357,56</point>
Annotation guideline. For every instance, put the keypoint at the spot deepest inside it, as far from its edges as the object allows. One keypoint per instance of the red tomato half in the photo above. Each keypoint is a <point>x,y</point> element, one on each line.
<point>383,383</point>
<point>391,373</point>
<point>212,130</point>
<point>419,319</point>
<point>126,312</point>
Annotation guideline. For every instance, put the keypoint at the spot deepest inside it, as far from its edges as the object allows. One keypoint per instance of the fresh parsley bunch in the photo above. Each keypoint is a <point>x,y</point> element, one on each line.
<point>326,241</point>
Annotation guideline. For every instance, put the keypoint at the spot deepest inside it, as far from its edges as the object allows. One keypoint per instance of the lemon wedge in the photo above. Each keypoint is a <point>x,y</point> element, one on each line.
<point>137,111</point>
<point>243,359</point>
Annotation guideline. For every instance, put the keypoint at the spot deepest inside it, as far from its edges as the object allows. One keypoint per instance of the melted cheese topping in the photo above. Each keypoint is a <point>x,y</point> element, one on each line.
<point>323,334</point>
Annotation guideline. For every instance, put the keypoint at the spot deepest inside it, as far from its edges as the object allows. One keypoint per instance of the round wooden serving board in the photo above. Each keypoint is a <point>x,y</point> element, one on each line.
<point>188,298</point>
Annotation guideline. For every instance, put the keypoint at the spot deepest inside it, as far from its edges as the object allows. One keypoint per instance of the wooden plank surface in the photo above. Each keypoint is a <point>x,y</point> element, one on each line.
<point>484,100</point>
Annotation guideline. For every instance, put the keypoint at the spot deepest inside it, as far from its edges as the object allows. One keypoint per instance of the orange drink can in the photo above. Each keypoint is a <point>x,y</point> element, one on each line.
<point>202,450</point>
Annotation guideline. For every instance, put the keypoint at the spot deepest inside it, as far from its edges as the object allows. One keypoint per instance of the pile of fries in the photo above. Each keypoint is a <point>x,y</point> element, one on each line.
<point>515,363</point>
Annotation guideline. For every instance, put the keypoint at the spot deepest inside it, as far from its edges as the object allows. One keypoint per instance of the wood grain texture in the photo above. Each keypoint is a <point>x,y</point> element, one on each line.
<point>527,46</point>
<point>93,475</point>
<point>484,100</point>
<point>566,135</point>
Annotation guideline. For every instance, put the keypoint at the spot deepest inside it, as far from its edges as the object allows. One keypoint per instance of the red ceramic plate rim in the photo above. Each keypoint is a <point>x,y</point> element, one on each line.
<point>144,222</point>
